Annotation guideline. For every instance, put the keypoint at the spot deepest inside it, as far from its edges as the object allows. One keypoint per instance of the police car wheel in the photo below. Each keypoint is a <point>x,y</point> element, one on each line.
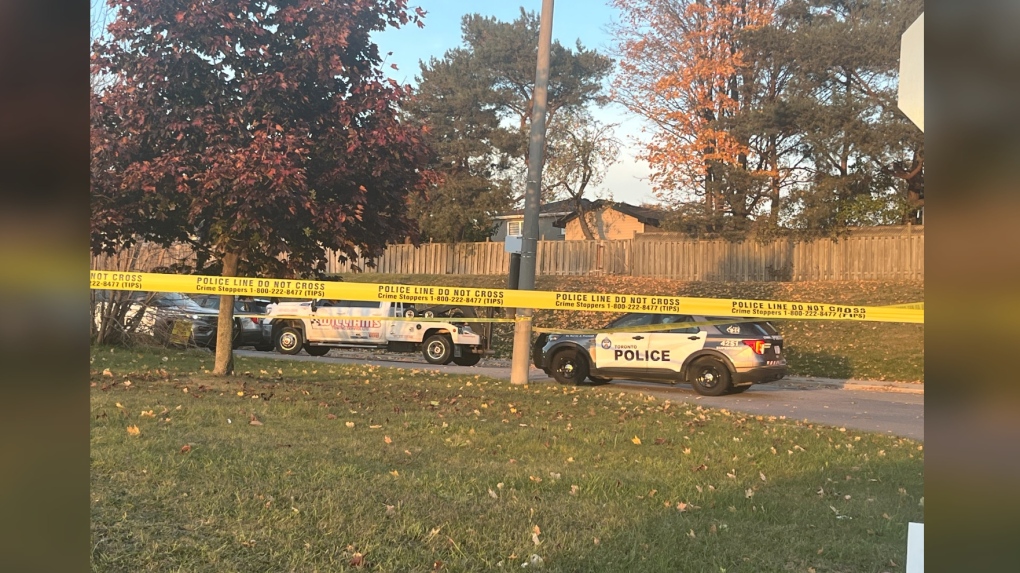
<point>438,349</point>
<point>569,367</point>
<point>709,377</point>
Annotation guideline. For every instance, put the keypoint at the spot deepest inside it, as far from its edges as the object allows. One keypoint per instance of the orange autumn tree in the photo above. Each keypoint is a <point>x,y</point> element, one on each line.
<point>710,103</point>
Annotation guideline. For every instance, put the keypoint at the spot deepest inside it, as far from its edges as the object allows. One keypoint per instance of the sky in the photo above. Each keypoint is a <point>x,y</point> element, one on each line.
<point>584,20</point>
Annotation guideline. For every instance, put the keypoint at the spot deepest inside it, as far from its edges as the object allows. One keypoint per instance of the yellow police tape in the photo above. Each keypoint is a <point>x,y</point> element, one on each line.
<point>503,298</point>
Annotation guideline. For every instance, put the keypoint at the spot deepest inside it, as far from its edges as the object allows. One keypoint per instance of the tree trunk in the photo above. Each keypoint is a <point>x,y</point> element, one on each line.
<point>582,218</point>
<point>774,183</point>
<point>225,326</point>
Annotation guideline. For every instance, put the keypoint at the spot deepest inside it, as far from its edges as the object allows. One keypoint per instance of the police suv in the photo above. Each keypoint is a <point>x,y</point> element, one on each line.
<point>715,355</point>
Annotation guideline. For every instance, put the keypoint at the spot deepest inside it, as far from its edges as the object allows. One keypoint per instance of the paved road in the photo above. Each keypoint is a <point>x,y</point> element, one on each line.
<point>894,413</point>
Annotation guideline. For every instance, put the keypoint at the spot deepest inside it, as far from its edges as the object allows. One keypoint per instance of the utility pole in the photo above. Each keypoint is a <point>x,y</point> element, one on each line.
<point>519,365</point>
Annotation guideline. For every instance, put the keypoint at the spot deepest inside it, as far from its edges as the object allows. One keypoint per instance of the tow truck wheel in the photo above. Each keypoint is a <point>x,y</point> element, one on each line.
<point>569,367</point>
<point>467,359</point>
<point>288,340</point>
<point>316,350</point>
<point>438,349</point>
<point>709,377</point>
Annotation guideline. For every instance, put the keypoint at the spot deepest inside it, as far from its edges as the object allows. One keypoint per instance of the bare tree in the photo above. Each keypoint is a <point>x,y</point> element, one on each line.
<point>580,152</point>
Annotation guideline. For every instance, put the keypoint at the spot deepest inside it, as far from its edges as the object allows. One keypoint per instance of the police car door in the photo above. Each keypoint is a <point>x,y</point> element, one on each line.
<point>670,348</point>
<point>623,352</point>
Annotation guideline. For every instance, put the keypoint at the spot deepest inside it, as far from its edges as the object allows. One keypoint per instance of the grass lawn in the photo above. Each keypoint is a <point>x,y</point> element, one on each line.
<point>829,349</point>
<point>301,467</point>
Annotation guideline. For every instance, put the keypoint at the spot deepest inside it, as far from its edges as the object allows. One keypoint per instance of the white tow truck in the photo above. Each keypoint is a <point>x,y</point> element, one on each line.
<point>318,325</point>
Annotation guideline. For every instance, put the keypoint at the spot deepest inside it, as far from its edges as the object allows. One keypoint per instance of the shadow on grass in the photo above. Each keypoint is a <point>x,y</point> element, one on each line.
<point>822,364</point>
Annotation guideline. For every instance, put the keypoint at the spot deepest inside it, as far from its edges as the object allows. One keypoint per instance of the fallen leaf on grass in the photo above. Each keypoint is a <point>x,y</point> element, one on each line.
<point>636,440</point>
<point>387,440</point>
<point>133,430</point>
<point>254,421</point>
<point>357,560</point>
<point>349,424</point>
<point>185,449</point>
<point>331,416</point>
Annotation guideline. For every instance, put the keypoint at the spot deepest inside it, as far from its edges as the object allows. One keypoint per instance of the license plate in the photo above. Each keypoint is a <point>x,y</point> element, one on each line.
<point>778,349</point>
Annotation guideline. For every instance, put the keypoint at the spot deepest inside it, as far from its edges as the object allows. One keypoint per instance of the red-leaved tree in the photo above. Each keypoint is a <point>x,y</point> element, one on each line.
<point>262,132</point>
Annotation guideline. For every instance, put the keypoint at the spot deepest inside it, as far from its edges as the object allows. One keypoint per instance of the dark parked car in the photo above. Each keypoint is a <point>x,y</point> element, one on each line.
<point>724,356</point>
<point>253,332</point>
<point>441,311</point>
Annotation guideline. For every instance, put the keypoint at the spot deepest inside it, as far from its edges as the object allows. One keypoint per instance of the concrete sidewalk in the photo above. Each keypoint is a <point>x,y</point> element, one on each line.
<point>851,384</point>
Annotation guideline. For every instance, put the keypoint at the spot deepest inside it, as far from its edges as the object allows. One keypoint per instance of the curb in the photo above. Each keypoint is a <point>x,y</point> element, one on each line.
<point>851,384</point>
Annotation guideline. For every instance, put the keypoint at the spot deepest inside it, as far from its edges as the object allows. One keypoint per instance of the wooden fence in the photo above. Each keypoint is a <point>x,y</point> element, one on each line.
<point>893,254</point>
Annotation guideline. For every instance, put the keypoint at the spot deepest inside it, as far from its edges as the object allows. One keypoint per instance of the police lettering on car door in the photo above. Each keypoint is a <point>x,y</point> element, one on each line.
<point>641,355</point>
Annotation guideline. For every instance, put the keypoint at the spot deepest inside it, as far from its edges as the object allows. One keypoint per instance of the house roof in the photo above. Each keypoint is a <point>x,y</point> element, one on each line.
<point>646,215</point>
<point>553,209</point>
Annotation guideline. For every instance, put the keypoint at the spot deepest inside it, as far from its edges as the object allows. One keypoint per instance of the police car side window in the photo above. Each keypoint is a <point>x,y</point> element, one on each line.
<point>741,329</point>
<point>632,320</point>
<point>679,318</point>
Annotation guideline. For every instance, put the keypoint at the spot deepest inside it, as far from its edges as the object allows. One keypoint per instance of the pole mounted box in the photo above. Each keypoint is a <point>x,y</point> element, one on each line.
<point>911,92</point>
<point>513,244</point>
